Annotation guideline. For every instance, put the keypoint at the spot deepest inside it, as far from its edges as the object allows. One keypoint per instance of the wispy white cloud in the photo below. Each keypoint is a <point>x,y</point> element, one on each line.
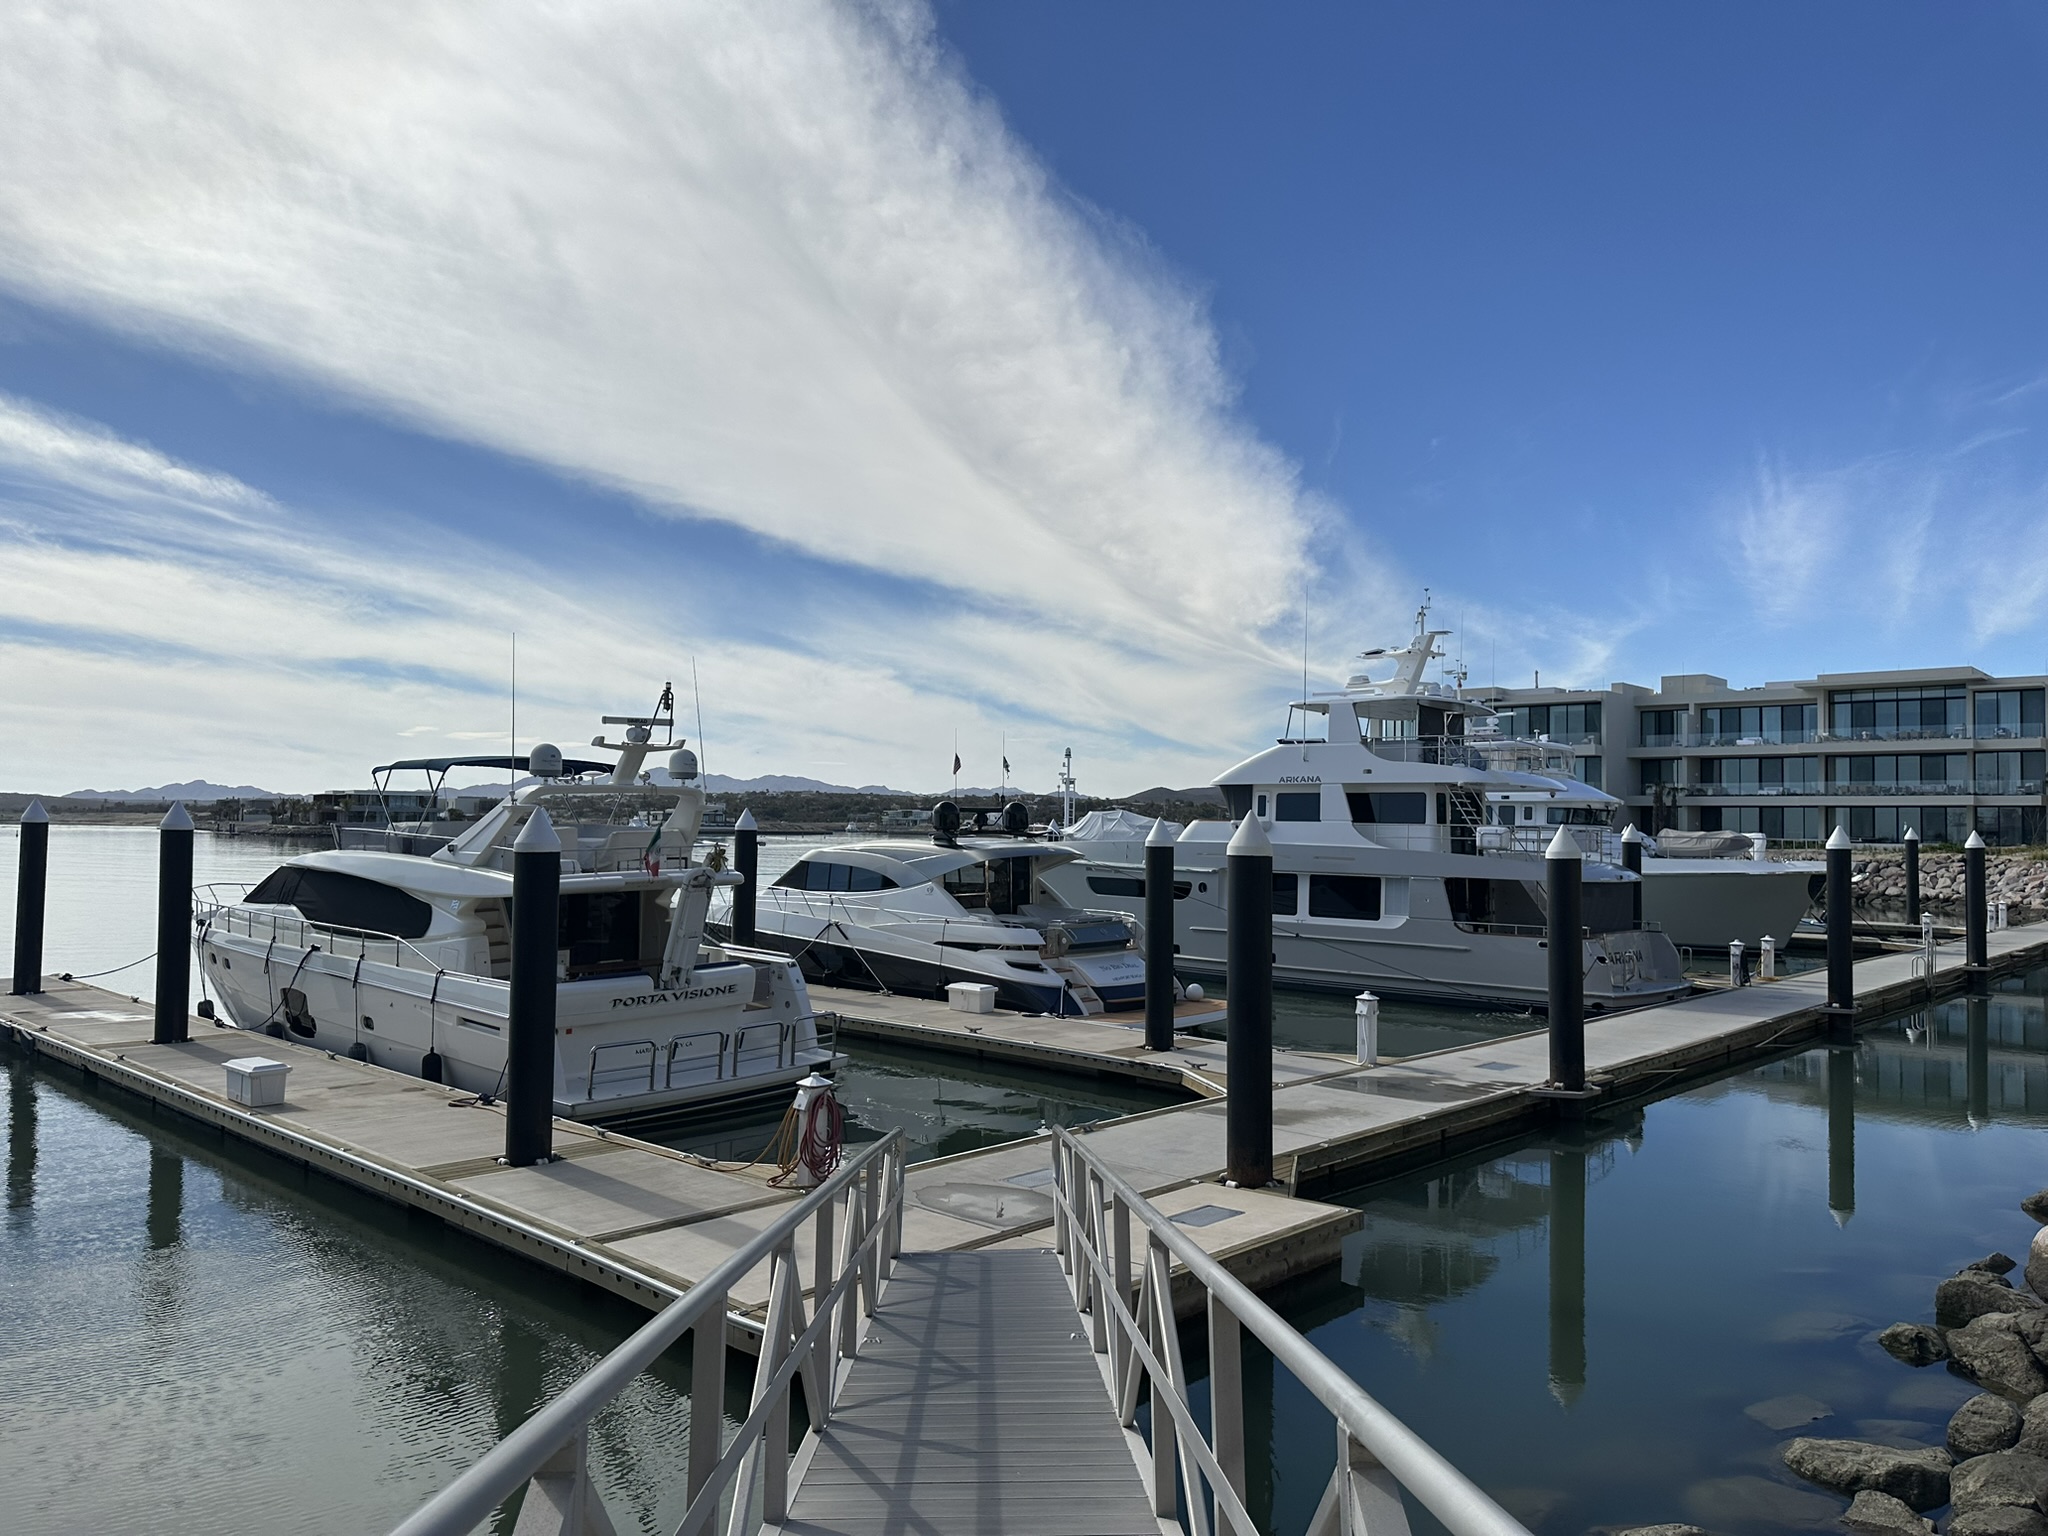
<point>775,265</point>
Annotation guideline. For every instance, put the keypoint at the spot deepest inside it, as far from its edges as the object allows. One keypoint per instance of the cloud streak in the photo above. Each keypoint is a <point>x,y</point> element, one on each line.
<point>778,266</point>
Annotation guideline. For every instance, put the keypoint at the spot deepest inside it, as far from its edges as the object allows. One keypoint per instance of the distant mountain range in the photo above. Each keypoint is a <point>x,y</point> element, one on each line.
<point>195,790</point>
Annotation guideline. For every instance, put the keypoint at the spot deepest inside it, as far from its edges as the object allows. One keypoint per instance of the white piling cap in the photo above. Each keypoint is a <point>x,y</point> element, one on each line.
<point>746,823</point>
<point>1633,834</point>
<point>538,835</point>
<point>1564,846</point>
<point>1839,838</point>
<point>1912,835</point>
<point>176,819</point>
<point>34,813</point>
<point>1159,837</point>
<point>1250,840</point>
<point>1976,840</point>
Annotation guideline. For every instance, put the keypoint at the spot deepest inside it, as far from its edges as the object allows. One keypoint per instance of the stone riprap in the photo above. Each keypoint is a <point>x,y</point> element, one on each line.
<point>2019,878</point>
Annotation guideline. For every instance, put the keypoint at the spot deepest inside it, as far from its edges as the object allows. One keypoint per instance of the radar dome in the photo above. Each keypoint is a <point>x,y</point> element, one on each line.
<point>682,765</point>
<point>545,761</point>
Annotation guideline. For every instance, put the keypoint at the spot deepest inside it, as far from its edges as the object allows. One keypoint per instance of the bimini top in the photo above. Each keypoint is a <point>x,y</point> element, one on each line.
<point>443,764</point>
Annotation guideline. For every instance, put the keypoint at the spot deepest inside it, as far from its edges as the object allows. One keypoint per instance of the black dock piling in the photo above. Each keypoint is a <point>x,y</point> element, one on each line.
<point>1977,1058</point>
<point>173,928</point>
<point>530,1050</point>
<point>1841,934</point>
<point>746,859</point>
<point>1248,952</point>
<point>1976,913</point>
<point>1912,874</point>
<point>1632,861</point>
<point>1842,1133</point>
<point>30,887</point>
<point>1567,1273</point>
<point>1159,945</point>
<point>1562,871</point>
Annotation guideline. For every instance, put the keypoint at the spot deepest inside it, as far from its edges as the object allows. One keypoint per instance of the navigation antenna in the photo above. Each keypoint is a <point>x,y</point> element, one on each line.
<point>512,761</point>
<point>1067,789</point>
<point>703,755</point>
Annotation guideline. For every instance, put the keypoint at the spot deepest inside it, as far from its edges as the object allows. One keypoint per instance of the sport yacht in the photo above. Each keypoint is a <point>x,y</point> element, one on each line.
<point>914,917</point>
<point>1382,878</point>
<point>1704,889</point>
<point>403,958</point>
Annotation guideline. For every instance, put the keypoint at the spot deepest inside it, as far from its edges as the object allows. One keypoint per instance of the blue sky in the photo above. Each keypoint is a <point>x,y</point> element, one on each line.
<point>992,370</point>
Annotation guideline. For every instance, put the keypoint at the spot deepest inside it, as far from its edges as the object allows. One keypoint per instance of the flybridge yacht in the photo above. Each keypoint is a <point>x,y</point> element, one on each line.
<point>913,917</point>
<point>404,959</point>
<point>1382,874</point>
<point>1704,889</point>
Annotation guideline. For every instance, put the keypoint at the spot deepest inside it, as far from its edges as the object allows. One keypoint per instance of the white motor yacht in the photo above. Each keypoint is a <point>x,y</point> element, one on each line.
<point>915,917</point>
<point>1381,877</point>
<point>1704,889</point>
<point>404,959</point>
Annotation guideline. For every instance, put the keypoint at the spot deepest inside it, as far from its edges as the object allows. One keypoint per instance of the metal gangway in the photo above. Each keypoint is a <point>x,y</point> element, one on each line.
<point>972,1393</point>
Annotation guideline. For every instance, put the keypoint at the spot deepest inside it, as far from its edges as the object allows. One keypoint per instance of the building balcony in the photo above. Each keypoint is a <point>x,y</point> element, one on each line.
<point>1897,733</point>
<point>1745,791</point>
<point>1900,790</point>
<point>2009,732</point>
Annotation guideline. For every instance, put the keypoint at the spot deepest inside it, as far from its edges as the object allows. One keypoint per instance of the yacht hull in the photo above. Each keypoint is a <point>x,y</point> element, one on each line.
<point>870,967</point>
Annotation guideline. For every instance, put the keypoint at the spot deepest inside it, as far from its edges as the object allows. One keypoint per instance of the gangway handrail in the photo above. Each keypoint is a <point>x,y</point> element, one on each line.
<point>1377,1455</point>
<point>549,1453</point>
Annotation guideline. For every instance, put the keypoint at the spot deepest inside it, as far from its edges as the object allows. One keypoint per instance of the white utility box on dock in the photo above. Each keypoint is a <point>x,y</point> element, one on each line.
<point>256,1081</point>
<point>971,997</point>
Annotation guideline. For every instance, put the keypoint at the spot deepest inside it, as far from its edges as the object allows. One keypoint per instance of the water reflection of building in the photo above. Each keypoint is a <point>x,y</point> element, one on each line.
<point>1966,1061</point>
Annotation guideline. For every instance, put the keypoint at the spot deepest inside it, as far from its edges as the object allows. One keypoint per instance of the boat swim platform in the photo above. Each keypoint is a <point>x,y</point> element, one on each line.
<point>1099,1045</point>
<point>647,1222</point>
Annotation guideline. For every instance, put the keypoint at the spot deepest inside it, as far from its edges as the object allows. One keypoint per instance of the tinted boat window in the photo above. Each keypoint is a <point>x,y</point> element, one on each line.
<point>1290,805</point>
<point>797,876</point>
<point>601,931</point>
<point>1115,885</point>
<point>1353,897</point>
<point>1285,900</point>
<point>345,901</point>
<point>1399,807</point>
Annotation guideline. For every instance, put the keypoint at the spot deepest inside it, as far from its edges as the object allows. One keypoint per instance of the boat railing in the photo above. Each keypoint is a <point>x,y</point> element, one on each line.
<point>1201,1471</point>
<point>1484,753</point>
<point>214,914</point>
<point>852,1226</point>
<point>623,1068</point>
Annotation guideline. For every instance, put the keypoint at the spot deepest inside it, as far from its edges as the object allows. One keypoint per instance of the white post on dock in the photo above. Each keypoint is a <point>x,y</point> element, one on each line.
<point>1368,1030</point>
<point>1767,959</point>
<point>1738,974</point>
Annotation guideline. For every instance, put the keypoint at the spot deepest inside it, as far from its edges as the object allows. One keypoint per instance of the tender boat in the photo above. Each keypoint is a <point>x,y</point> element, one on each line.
<point>403,958</point>
<point>915,917</point>
<point>1382,878</point>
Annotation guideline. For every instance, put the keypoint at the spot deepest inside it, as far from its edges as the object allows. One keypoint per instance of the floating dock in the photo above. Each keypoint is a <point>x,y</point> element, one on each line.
<point>647,1222</point>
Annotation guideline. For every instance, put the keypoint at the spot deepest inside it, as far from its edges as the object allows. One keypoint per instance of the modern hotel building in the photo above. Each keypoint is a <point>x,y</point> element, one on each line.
<point>1944,750</point>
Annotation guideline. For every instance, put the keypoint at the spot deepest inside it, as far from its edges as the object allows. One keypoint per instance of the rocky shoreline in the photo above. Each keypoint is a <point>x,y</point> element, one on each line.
<point>1991,1471</point>
<point>2019,878</point>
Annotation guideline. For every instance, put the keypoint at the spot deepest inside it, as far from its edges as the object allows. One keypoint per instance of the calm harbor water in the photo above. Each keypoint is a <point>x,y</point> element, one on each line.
<point>1584,1322</point>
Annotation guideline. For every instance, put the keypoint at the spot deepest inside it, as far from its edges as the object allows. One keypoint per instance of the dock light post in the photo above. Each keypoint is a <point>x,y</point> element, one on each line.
<point>1912,874</point>
<point>1632,861</point>
<point>1562,871</point>
<point>530,1052</point>
<point>1767,959</point>
<point>1159,945</point>
<point>1248,952</point>
<point>1368,1030</point>
<point>1975,915</point>
<point>746,858</point>
<point>1841,947</point>
<point>173,928</point>
<point>1738,972</point>
<point>31,881</point>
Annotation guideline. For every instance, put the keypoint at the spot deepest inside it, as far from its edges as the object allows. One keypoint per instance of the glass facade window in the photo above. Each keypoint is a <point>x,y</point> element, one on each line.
<point>2010,714</point>
<point>1762,775</point>
<point>1785,823</point>
<point>1888,823</point>
<point>1727,725</point>
<point>1574,723</point>
<point>1887,772</point>
<point>1661,770</point>
<point>2010,773</point>
<point>1590,772</point>
<point>1660,727</point>
<point>2012,826</point>
<point>1897,714</point>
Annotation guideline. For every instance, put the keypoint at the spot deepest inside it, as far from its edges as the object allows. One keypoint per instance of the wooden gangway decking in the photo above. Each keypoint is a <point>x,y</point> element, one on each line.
<point>975,1408</point>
